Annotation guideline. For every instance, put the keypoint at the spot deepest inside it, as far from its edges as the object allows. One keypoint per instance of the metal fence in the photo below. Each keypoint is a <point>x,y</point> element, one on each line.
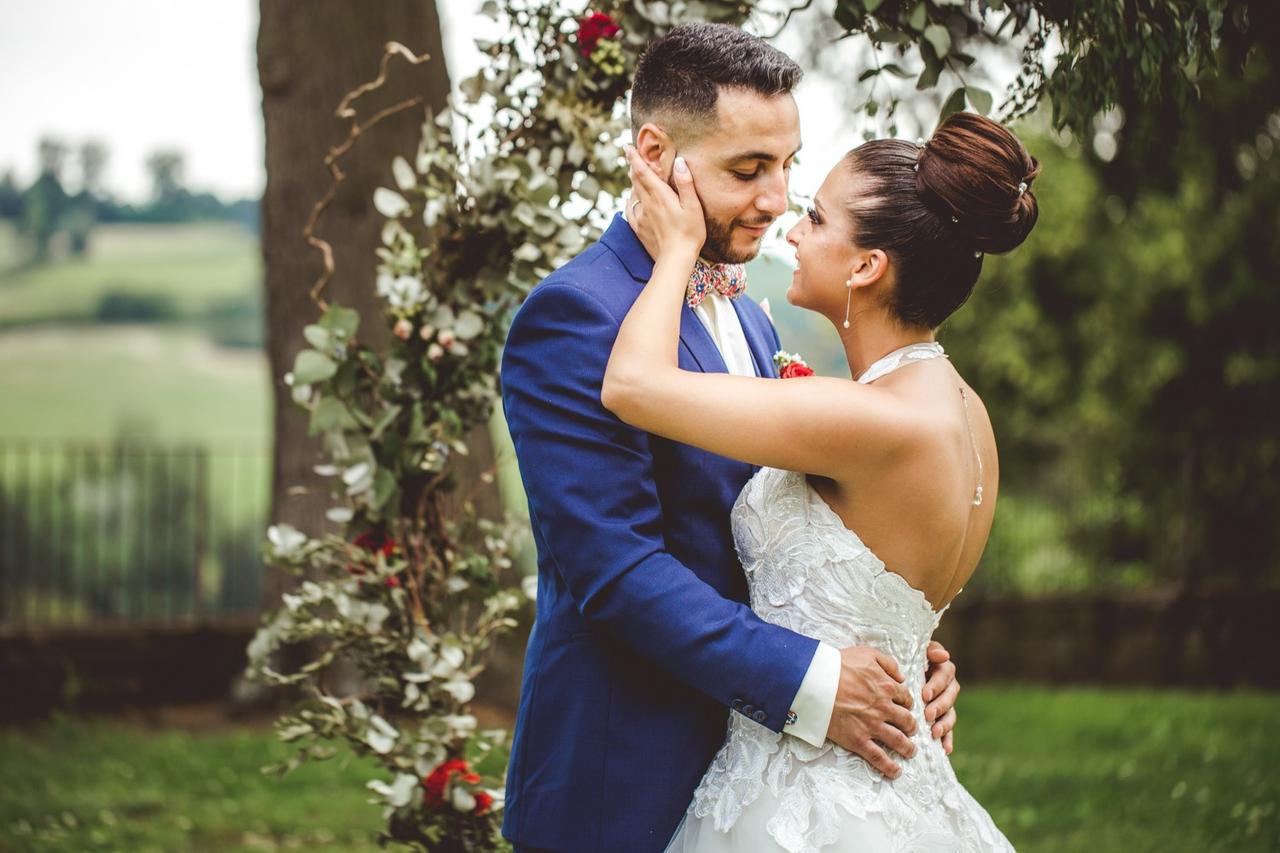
<point>130,531</point>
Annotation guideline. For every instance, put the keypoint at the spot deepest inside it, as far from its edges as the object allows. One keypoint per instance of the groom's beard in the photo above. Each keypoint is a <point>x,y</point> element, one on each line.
<point>718,247</point>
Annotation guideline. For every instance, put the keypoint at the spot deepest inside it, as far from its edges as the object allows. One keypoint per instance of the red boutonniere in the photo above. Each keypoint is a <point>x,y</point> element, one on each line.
<point>790,365</point>
<point>593,28</point>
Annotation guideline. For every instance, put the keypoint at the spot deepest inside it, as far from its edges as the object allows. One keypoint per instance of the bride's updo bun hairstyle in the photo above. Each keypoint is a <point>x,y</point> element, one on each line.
<point>936,207</point>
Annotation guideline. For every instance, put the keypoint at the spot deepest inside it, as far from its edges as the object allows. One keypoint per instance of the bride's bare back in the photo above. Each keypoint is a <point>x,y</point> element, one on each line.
<point>918,514</point>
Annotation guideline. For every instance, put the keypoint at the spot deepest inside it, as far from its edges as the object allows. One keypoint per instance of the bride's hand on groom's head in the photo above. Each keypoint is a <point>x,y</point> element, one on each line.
<point>664,219</point>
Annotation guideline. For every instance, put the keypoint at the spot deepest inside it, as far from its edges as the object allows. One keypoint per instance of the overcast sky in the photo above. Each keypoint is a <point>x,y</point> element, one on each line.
<point>146,74</point>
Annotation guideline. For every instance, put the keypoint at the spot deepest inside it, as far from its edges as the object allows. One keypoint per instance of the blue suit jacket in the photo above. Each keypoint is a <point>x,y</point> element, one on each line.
<point>642,639</point>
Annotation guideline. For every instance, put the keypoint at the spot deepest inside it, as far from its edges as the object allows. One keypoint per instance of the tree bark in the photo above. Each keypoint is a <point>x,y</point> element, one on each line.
<point>309,55</point>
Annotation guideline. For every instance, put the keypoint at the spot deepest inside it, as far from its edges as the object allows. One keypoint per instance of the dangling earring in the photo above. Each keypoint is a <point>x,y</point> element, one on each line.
<point>848,300</point>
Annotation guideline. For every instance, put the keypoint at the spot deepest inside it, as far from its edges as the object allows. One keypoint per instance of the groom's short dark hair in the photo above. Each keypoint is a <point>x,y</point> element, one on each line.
<point>678,77</point>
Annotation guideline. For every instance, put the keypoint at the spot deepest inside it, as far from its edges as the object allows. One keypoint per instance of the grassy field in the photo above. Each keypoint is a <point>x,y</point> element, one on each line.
<point>1102,771</point>
<point>194,265</point>
<point>67,377</point>
<point>166,381</point>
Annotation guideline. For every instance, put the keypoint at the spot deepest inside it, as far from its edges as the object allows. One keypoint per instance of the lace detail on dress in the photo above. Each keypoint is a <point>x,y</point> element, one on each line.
<point>810,573</point>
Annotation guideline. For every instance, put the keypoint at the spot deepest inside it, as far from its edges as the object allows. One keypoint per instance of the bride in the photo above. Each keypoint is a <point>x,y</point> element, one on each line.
<point>875,497</point>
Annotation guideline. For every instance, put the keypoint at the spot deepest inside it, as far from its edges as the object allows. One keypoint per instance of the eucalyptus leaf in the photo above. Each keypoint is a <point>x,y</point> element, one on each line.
<point>342,322</point>
<point>311,366</point>
<point>953,104</point>
<point>386,419</point>
<point>329,414</point>
<point>317,336</point>
<point>979,98</point>
<point>918,17</point>
<point>940,37</point>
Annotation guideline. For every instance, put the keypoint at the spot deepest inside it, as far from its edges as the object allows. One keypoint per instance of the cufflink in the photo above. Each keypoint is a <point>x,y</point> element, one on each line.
<point>791,718</point>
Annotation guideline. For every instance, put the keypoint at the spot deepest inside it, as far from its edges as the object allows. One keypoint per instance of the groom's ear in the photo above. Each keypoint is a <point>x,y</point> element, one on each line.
<point>656,147</point>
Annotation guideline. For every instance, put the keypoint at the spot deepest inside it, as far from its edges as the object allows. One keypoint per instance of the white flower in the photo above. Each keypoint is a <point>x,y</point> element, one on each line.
<point>339,514</point>
<point>469,325</point>
<point>427,332</point>
<point>405,291</point>
<point>285,539</point>
<point>530,587</point>
<point>389,203</point>
<point>462,800</point>
<point>403,172</point>
<point>398,793</point>
<point>381,736</point>
<point>448,662</point>
<point>435,352</point>
<point>375,616</point>
<point>447,337</point>
<point>431,211</point>
<point>355,473</point>
<point>460,689</point>
<point>403,329</point>
<point>443,317</point>
<point>462,725</point>
<point>527,252</point>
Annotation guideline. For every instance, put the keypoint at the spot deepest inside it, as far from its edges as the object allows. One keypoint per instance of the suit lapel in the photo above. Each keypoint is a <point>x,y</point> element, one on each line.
<point>697,341</point>
<point>757,341</point>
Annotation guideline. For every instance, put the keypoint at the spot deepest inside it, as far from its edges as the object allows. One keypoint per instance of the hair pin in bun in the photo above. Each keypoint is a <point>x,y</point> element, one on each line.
<point>1022,188</point>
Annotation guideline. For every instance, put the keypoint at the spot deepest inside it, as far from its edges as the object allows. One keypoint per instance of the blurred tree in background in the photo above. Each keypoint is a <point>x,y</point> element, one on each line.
<point>1127,350</point>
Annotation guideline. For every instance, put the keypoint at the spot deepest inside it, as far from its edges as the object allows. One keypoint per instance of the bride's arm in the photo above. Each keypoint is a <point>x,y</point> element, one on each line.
<point>818,425</point>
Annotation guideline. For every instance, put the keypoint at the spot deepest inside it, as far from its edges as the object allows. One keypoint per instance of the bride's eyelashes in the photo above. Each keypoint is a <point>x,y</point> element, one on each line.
<point>813,216</point>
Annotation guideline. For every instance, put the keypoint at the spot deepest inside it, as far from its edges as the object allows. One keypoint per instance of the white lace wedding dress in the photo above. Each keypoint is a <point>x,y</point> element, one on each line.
<point>766,792</point>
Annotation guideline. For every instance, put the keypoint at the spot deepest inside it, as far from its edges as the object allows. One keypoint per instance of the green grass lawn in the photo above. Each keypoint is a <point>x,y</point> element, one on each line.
<point>1102,771</point>
<point>167,381</point>
<point>191,264</point>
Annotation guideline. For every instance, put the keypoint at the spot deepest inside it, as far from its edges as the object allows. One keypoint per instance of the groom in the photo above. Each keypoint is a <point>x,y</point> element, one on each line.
<point>643,642</point>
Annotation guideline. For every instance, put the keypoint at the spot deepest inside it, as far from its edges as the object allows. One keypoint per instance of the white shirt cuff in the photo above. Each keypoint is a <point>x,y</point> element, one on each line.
<point>811,710</point>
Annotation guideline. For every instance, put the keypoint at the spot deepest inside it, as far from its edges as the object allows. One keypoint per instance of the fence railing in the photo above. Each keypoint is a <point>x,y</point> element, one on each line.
<point>130,531</point>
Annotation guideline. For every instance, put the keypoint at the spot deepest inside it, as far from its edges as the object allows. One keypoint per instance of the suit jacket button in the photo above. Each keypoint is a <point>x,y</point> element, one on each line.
<point>736,704</point>
<point>747,709</point>
<point>759,716</point>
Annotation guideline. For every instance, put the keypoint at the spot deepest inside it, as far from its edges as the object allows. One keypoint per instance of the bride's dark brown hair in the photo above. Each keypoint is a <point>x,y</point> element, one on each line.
<point>936,208</point>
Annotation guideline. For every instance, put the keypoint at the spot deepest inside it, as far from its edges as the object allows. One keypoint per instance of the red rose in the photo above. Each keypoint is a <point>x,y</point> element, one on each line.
<point>794,369</point>
<point>483,801</point>
<point>435,783</point>
<point>592,29</point>
<point>393,581</point>
<point>373,541</point>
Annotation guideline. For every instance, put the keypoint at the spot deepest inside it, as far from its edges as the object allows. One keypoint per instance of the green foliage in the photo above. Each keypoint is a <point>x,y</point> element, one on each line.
<point>116,306</point>
<point>506,184</point>
<point>1155,50</point>
<point>1126,351</point>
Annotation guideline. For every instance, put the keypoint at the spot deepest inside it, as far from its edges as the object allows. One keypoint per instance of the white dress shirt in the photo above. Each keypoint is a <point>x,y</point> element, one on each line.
<point>816,698</point>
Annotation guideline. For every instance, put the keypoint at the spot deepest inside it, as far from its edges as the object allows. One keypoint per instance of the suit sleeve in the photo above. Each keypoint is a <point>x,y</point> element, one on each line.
<point>589,481</point>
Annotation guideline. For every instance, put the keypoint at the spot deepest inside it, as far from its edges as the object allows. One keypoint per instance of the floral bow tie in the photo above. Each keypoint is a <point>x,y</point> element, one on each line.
<point>726,279</point>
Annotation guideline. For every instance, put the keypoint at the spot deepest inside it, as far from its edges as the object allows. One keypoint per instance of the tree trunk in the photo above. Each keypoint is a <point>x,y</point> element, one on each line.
<point>309,55</point>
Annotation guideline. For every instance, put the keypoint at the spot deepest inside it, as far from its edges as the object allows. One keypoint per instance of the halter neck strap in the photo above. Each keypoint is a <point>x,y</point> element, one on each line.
<point>903,355</point>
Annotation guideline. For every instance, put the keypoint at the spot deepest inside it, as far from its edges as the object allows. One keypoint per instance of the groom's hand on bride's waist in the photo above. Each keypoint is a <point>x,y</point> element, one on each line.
<point>940,691</point>
<point>873,709</point>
